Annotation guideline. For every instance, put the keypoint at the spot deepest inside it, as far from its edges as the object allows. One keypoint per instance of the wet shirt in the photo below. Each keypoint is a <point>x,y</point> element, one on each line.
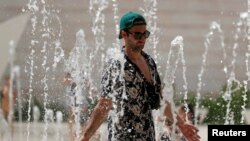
<point>131,117</point>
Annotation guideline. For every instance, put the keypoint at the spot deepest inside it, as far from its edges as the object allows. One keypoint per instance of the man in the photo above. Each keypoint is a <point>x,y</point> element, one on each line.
<point>5,105</point>
<point>84,107</point>
<point>131,89</point>
<point>5,101</point>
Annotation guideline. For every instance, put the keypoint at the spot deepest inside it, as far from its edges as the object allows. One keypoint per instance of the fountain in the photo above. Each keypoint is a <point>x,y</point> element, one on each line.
<point>47,62</point>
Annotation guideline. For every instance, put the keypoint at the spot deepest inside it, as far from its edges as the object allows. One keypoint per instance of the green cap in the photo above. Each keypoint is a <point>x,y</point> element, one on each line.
<point>131,19</point>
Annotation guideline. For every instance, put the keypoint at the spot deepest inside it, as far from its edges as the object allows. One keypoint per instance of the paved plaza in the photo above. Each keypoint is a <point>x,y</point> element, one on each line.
<point>192,19</point>
<point>59,132</point>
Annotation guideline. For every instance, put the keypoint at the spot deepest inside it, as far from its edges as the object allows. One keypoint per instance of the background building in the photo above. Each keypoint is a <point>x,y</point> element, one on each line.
<point>43,34</point>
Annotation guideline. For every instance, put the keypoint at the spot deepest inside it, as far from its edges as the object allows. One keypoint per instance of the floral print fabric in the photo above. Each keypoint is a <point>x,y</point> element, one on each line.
<point>131,117</point>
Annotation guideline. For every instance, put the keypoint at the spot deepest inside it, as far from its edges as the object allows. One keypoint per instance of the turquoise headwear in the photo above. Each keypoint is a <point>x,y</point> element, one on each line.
<point>131,19</point>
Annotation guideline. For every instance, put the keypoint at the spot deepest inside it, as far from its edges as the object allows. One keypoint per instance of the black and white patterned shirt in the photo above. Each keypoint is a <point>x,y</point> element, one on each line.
<point>131,117</point>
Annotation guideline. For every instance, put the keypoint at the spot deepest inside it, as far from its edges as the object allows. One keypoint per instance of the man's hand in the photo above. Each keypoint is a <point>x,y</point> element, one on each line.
<point>67,79</point>
<point>189,131</point>
<point>84,138</point>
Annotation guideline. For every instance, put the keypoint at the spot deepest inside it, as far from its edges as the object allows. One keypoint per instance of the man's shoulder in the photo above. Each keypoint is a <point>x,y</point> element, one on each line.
<point>149,58</point>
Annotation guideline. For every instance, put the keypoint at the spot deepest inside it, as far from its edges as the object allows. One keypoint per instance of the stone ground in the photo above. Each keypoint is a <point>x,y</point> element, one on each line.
<point>190,19</point>
<point>58,132</point>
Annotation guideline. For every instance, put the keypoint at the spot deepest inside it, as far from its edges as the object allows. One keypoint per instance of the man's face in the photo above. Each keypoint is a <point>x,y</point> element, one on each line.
<point>136,37</point>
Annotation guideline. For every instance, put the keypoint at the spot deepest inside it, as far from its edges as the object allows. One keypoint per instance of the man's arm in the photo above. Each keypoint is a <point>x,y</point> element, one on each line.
<point>188,130</point>
<point>168,112</point>
<point>67,79</point>
<point>97,117</point>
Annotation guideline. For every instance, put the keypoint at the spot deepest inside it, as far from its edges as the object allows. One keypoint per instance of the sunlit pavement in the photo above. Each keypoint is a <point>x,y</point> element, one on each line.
<point>57,132</point>
<point>190,19</point>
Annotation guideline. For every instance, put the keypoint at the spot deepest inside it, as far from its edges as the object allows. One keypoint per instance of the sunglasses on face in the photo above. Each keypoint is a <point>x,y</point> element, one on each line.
<point>139,35</point>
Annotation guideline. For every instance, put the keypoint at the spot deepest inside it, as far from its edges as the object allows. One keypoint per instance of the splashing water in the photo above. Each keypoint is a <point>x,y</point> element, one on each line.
<point>116,18</point>
<point>16,71</point>
<point>12,57</point>
<point>174,55</point>
<point>150,13</point>
<point>78,66</point>
<point>214,28</point>
<point>59,121</point>
<point>45,37</point>
<point>114,56</point>
<point>245,20</point>
<point>96,8</point>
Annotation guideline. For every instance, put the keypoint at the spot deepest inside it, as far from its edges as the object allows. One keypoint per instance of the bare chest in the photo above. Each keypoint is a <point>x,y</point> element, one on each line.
<point>144,68</point>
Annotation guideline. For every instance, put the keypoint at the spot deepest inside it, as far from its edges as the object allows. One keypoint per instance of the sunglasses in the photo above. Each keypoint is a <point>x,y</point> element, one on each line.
<point>138,35</point>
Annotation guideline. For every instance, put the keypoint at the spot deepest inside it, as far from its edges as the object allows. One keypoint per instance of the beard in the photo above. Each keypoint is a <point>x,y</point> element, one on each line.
<point>136,48</point>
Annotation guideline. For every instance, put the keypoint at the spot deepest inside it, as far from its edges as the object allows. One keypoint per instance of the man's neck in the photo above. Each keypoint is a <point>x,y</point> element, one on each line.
<point>134,56</point>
